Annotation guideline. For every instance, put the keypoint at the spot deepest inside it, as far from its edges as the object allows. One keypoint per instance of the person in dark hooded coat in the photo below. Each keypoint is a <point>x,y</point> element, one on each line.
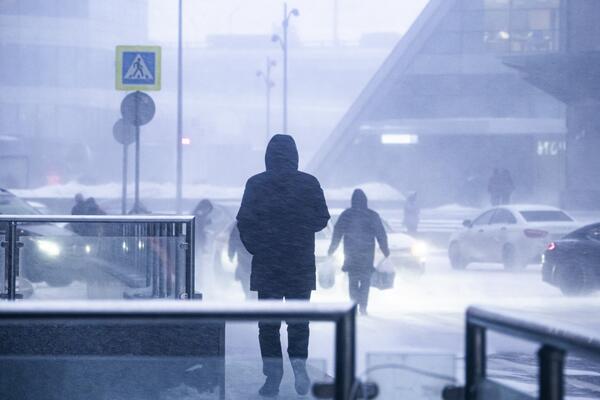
<point>282,209</point>
<point>359,227</point>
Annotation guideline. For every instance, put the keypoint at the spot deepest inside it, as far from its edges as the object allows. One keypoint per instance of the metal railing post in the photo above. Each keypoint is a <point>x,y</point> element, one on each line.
<point>551,376</point>
<point>475,368</point>
<point>345,340</point>
<point>10,258</point>
<point>190,237</point>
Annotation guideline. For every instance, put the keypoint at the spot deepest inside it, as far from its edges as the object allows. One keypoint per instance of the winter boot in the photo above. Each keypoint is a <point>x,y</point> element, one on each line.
<point>273,370</point>
<point>302,384</point>
<point>270,388</point>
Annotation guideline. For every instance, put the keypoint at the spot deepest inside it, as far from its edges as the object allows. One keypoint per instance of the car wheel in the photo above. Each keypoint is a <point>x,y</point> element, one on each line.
<point>574,280</point>
<point>457,260</point>
<point>510,258</point>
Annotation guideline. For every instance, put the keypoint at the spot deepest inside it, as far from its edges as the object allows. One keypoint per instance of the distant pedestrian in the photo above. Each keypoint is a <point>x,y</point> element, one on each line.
<point>86,207</point>
<point>412,214</point>
<point>495,187</point>
<point>244,260</point>
<point>79,207</point>
<point>92,208</point>
<point>507,186</point>
<point>282,209</point>
<point>359,227</point>
<point>203,215</point>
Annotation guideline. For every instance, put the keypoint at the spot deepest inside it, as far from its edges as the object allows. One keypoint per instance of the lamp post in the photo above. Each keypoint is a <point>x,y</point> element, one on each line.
<point>179,148</point>
<point>283,41</point>
<point>269,84</point>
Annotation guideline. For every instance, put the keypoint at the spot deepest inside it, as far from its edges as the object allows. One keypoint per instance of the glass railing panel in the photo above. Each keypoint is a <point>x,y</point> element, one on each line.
<point>415,376</point>
<point>102,261</point>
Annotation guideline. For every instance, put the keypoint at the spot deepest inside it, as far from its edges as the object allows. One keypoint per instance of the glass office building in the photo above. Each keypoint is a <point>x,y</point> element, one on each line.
<point>447,107</point>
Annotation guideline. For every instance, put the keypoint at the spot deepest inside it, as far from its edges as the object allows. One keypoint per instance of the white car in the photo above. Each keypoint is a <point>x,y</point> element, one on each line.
<point>406,252</point>
<point>514,235</point>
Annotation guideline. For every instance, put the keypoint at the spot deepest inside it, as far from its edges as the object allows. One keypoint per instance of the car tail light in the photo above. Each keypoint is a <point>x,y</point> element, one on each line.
<point>551,246</point>
<point>535,233</point>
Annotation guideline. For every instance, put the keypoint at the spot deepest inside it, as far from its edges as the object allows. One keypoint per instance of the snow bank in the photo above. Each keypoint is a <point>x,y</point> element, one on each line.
<point>375,191</point>
<point>147,190</point>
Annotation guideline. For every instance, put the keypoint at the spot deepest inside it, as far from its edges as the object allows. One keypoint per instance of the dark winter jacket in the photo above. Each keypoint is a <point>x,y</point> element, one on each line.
<point>359,227</point>
<point>281,210</point>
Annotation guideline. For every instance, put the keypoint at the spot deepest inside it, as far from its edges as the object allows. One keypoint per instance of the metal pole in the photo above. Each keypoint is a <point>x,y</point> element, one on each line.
<point>475,368</point>
<point>552,380</point>
<point>137,168</point>
<point>285,62</point>
<point>345,342</point>
<point>124,189</point>
<point>335,23</point>
<point>179,183</point>
<point>190,235</point>
<point>10,260</point>
<point>268,99</point>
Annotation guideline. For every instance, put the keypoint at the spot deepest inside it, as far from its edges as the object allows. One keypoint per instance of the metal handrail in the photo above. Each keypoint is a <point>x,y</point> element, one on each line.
<point>12,245</point>
<point>536,331</point>
<point>98,218</point>
<point>343,315</point>
<point>555,343</point>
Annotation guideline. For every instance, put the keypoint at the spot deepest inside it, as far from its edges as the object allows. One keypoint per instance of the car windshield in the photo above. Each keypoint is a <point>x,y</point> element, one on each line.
<point>545,216</point>
<point>12,205</point>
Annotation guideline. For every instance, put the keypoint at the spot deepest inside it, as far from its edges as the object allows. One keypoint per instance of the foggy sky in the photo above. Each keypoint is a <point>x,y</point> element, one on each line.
<point>206,17</point>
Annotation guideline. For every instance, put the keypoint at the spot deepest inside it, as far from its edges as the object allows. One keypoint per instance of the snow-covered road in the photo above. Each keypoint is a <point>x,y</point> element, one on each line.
<point>425,317</point>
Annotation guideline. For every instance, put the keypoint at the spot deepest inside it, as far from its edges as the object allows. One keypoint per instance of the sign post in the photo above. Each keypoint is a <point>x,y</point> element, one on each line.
<point>138,109</point>
<point>137,68</point>
<point>124,133</point>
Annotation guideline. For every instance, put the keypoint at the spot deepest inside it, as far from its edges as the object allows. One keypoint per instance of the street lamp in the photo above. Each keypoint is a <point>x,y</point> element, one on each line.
<point>283,41</point>
<point>269,84</point>
<point>179,148</point>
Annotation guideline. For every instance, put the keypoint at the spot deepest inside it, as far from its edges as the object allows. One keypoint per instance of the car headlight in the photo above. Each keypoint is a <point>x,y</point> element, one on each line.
<point>49,247</point>
<point>419,249</point>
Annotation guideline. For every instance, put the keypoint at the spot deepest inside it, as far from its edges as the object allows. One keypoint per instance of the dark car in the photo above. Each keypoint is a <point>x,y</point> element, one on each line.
<point>49,252</point>
<point>573,262</point>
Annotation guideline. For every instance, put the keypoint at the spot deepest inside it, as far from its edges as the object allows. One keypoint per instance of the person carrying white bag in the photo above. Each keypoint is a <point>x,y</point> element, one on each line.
<point>384,275</point>
<point>359,227</point>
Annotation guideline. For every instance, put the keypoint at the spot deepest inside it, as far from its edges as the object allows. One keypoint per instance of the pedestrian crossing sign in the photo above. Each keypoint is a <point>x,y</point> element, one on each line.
<point>138,68</point>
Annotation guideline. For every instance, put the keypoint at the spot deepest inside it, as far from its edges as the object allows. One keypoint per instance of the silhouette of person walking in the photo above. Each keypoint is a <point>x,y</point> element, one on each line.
<point>282,209</point>
<point>359,226</point>
<point>139,72</point>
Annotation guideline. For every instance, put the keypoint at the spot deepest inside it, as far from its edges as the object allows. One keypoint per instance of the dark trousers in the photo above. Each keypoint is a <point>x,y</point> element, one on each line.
<point>270,341</point>
<point>359,285</point>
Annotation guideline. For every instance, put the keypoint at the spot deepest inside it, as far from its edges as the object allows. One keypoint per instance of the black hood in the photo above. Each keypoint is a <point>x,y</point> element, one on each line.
<point>359,199</point>
<point>282,154</point>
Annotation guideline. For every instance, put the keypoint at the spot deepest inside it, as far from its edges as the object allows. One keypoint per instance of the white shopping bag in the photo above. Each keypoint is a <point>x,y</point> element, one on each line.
<point>386,266</point>
<point>326,273</point>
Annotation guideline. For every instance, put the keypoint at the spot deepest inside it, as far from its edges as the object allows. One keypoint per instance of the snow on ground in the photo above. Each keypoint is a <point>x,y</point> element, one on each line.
<point>425,316</point>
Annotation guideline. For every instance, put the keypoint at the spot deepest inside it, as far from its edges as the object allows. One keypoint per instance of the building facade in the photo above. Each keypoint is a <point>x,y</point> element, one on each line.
<point>447,107</point>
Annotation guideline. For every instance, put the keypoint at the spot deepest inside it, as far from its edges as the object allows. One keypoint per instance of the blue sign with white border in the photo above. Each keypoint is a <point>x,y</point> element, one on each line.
<point>138,68</point>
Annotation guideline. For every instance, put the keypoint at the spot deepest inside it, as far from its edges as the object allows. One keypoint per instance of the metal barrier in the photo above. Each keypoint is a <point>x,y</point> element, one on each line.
<point>161,313</point>
<point>555,343</point>
<point>149,249</point>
